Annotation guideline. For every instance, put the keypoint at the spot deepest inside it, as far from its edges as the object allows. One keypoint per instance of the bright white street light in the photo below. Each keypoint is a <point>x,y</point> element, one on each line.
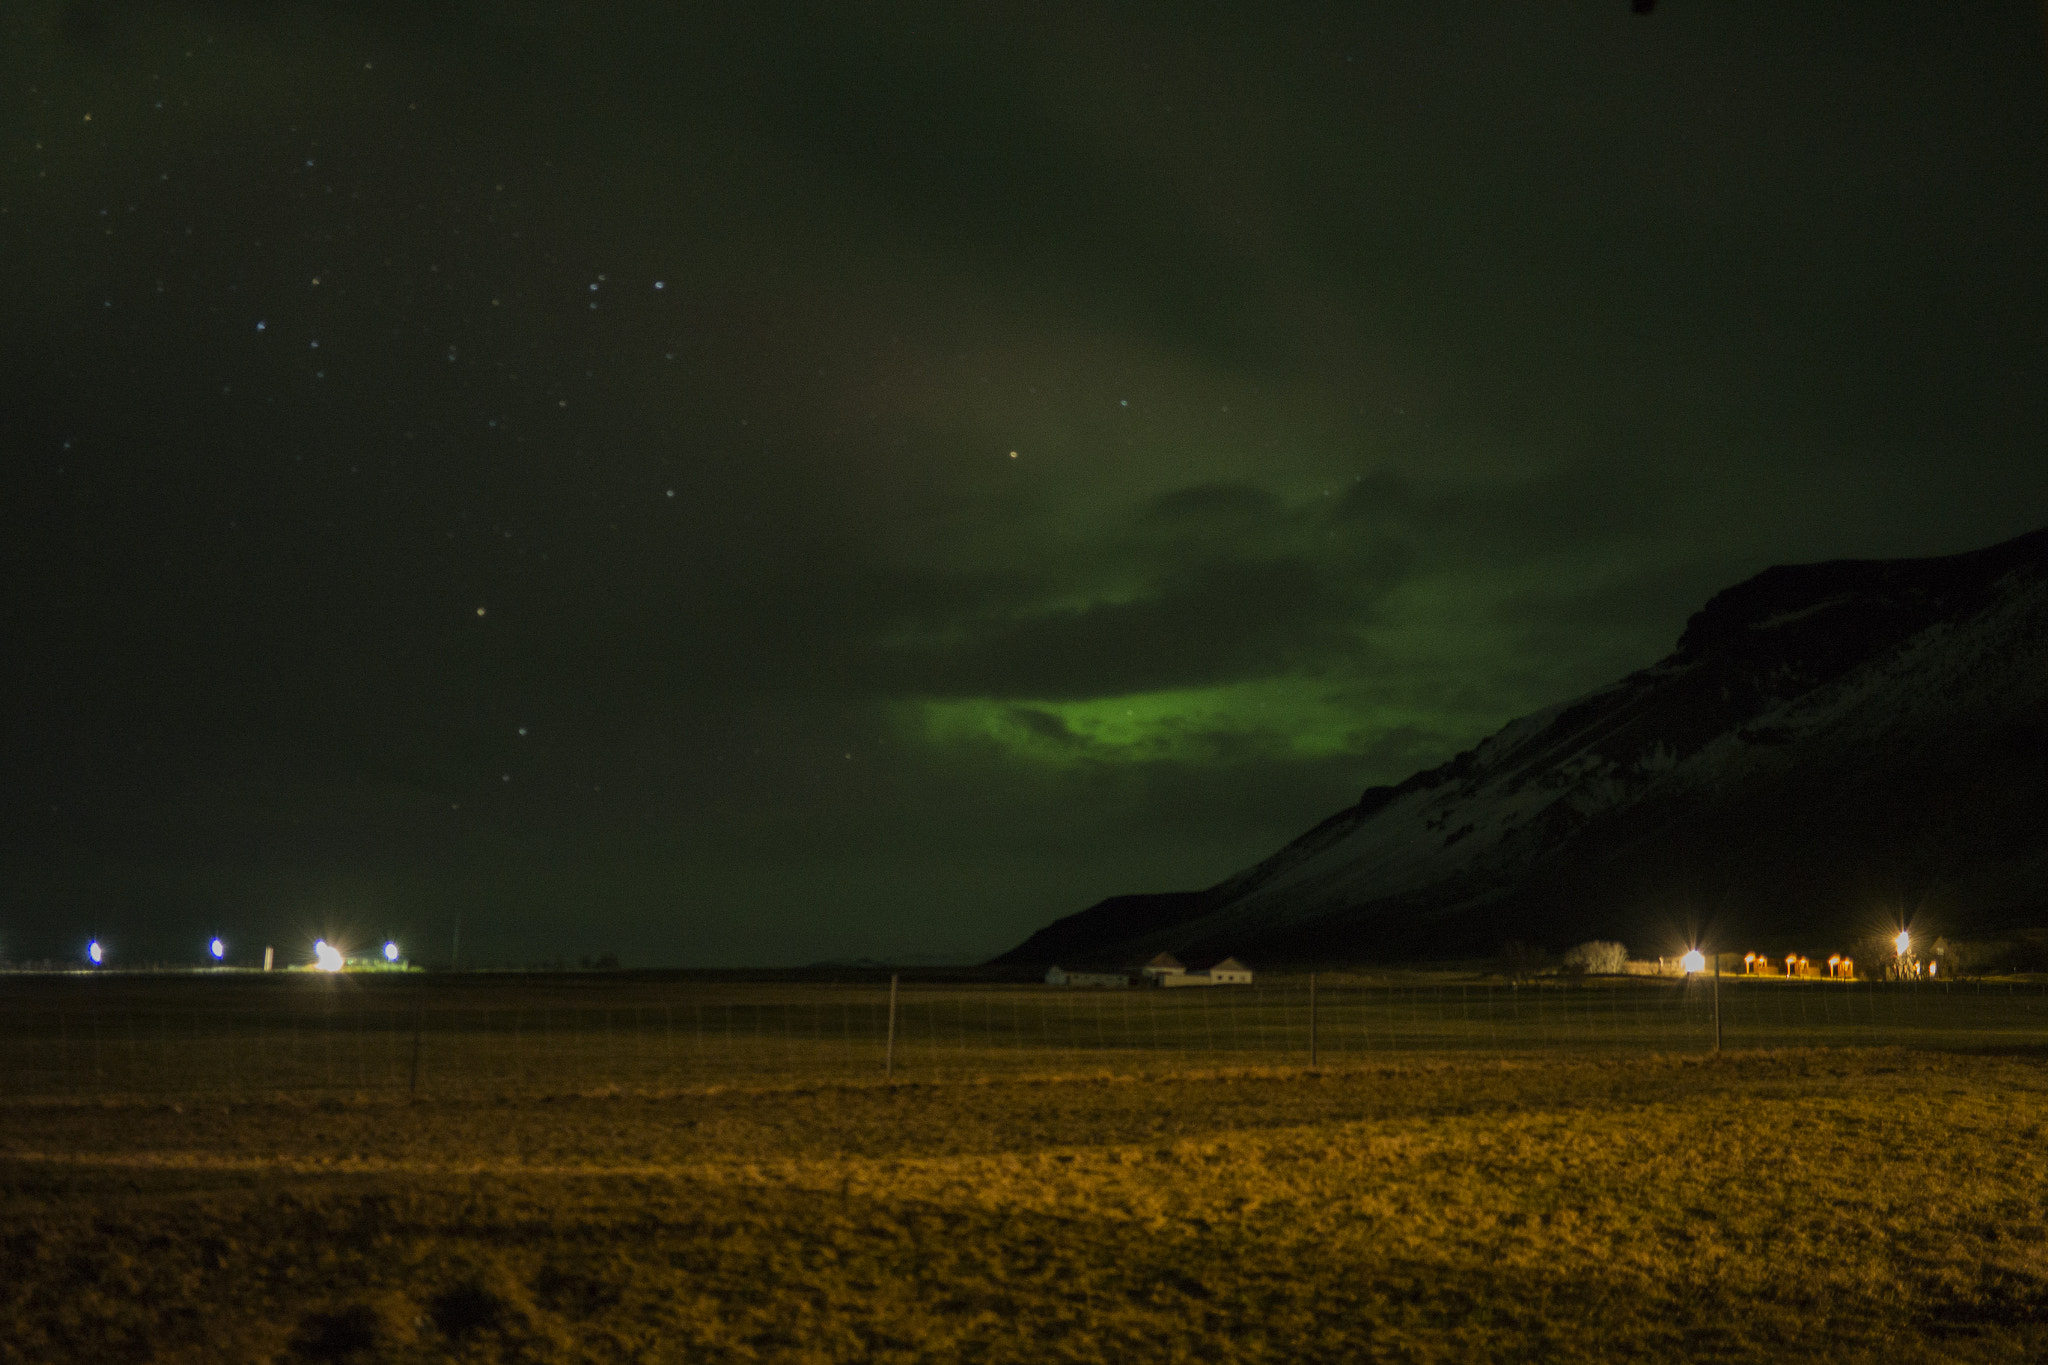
<point>1904,943</point>
<point>326,957</point>
<point>95,952</point>
<point>391,952</point>
<point>218,949</point>
<point>1694,961</point>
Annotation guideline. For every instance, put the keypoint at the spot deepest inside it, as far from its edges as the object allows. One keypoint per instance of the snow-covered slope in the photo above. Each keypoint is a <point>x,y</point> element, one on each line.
<point>1829,747</point>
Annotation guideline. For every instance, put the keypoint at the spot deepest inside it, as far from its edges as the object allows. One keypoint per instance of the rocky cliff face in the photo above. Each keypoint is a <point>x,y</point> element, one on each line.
<point>1831,747</point>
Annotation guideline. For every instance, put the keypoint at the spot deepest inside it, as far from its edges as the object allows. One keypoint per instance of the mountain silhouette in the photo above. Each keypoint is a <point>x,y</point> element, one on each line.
<point>1833,751</point>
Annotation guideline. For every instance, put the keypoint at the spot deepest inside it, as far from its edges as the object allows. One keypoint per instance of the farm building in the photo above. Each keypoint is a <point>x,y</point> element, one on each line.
<point>1059,976</point>
<point>1159,969</point>
<point>1797,965</point>
<point>1163,970</point>
<point>1228,972</point>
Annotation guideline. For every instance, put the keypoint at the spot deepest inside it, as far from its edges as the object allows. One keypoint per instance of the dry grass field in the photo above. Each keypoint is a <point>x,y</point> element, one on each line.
<point>257,1035</point>
<point>1840,1205</point>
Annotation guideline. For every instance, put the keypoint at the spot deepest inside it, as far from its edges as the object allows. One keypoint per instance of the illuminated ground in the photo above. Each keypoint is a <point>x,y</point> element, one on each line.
<point>1840,1205</point>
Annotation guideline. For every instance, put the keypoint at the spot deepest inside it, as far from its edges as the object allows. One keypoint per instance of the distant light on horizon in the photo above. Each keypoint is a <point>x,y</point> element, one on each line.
<point>1694,961</point>
<point>95,952</point>
<point>391,952</point>
<point>1904,943</point>
<point>326,957</point>
<point>218,949</point>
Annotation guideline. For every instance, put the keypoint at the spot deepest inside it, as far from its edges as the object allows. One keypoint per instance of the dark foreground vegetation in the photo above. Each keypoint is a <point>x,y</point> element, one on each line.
<point>1841,1205</point>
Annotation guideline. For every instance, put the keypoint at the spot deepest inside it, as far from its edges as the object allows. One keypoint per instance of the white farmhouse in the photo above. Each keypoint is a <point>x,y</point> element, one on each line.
<point>1165,971</point>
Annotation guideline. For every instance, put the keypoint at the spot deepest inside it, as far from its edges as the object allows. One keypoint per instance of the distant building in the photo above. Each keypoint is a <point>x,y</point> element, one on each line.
<point>1163,970</point>
<point>1059,976</point>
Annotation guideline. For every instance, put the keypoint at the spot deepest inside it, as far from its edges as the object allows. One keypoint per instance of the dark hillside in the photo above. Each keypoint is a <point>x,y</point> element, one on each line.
<point>1831,749</point>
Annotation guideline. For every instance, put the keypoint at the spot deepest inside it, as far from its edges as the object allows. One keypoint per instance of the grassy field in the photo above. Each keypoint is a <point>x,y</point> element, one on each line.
<point>252,1035</point>
<point>1841,1205</point>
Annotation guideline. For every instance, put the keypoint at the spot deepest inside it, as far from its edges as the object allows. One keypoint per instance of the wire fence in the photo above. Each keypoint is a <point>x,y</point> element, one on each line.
<point>442,1036</point>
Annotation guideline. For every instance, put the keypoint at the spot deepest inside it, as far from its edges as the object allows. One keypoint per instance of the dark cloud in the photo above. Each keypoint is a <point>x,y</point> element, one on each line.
<point>1515,519</point>
<point>1208,624</point>
<point>1223,504</point>
<point>1043,725</point>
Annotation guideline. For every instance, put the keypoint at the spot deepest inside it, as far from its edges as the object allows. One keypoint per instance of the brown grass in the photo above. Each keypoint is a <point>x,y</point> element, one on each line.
<point>1854,1205</point>
<point>258,1036</point>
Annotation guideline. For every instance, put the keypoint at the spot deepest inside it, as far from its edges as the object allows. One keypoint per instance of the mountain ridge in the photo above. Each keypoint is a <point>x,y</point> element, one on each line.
<point>1830,749</point>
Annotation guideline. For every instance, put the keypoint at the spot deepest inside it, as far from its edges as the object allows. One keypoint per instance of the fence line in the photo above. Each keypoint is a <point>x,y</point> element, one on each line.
<point>428,1035</point>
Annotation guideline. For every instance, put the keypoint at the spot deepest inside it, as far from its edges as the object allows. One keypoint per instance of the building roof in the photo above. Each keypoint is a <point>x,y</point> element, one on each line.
<point>1230,964</point>
<point>1168,962</point>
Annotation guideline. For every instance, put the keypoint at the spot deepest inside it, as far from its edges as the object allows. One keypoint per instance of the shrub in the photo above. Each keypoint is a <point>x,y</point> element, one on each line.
<point>1599,958</point>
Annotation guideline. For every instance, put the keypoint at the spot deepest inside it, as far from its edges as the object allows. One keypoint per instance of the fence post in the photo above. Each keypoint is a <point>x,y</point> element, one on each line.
<point>889,1049</point>
<point>419,1019</point>
<point>1717,1000</point>
<point>1312,1021</point>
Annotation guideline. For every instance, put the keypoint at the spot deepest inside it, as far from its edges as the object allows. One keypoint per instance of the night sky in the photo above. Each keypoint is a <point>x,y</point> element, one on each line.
<point>757,483</point>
